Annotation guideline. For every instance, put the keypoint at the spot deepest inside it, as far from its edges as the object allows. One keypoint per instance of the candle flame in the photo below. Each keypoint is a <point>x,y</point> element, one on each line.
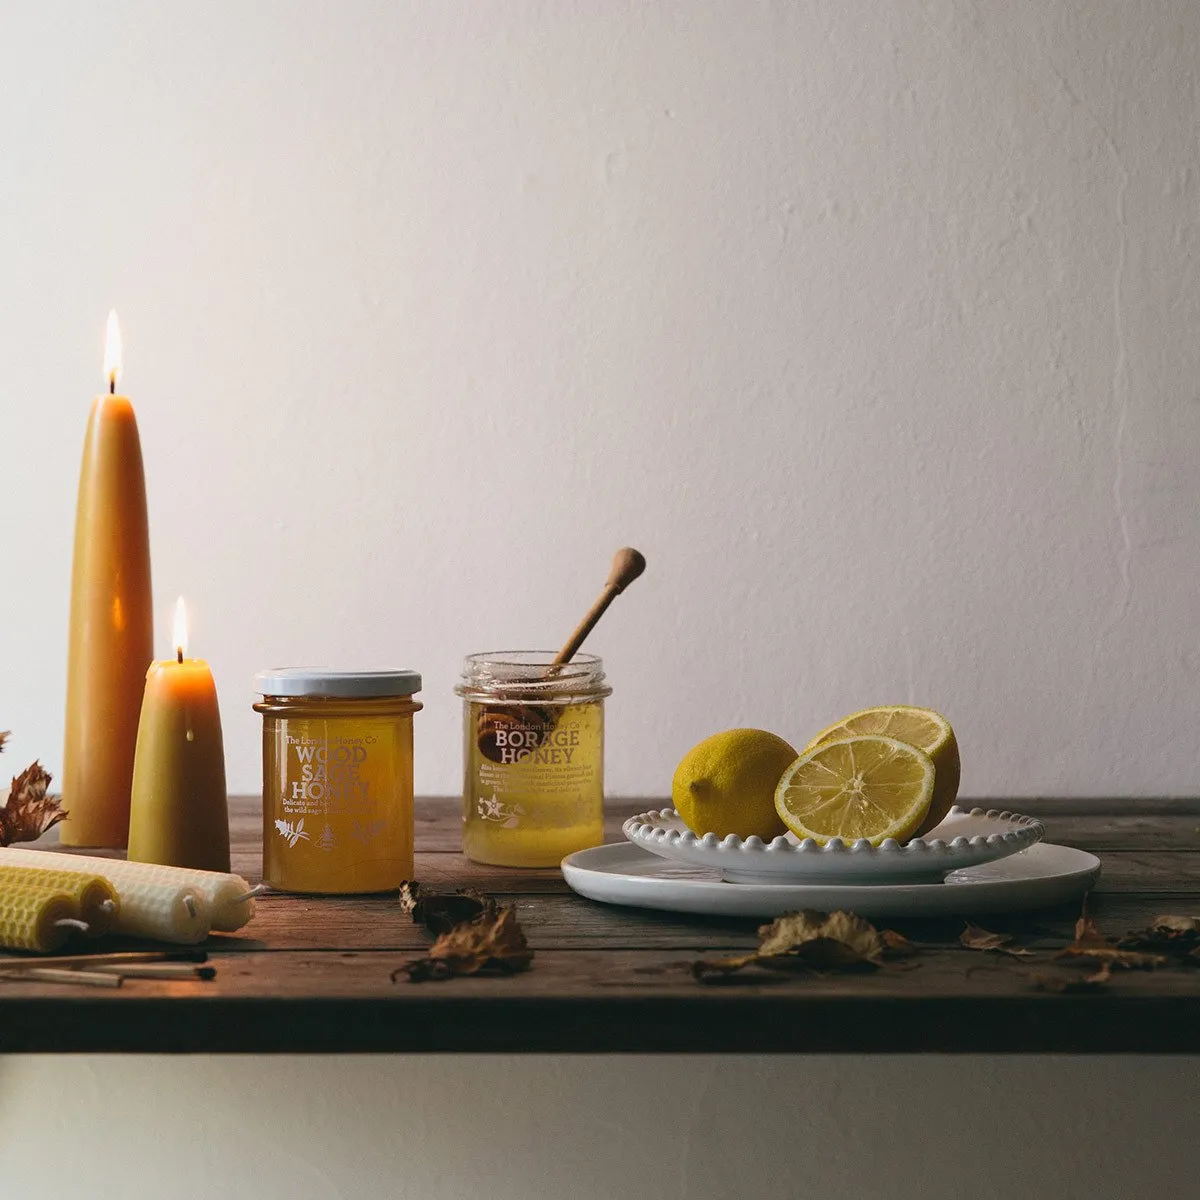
<point>180,638</point>
<point>112,351</point>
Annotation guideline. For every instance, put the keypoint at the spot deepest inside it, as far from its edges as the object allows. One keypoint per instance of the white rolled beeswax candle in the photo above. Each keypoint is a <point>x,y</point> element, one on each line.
<point>153,905</point>
<point>227,895</point>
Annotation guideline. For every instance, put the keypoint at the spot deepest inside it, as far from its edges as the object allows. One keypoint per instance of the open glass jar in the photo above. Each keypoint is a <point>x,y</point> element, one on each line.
<point>337,778</point>
<point>533,756</point>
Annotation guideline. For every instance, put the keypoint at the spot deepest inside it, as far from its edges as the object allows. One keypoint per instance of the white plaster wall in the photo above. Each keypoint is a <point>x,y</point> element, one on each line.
<point>503,1128</point>
<point>873,324</point>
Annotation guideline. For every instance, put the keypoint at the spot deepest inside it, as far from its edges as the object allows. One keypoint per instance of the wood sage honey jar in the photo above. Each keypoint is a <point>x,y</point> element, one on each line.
<point>533,757</point>
<point>337,778</point>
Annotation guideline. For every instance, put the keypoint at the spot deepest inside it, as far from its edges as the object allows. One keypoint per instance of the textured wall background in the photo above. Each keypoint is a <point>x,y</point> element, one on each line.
<point>873,324</point>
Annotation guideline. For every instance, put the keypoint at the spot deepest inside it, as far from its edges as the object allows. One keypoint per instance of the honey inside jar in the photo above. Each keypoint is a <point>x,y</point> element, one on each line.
<point>337,779</point>
<point>533,757</point>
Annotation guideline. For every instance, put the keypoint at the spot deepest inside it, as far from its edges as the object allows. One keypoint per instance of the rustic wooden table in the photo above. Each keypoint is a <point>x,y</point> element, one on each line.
<point>313,974</point>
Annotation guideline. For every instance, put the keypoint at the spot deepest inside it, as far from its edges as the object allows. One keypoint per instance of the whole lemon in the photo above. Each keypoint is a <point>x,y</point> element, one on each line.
<point>726,784</point>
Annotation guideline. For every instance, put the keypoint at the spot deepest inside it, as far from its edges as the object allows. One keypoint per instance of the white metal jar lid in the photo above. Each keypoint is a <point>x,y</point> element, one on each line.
<point>327,681</point>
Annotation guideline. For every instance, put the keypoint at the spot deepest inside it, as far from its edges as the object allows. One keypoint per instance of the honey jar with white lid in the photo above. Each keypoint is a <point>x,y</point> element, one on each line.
<point>337,778</point>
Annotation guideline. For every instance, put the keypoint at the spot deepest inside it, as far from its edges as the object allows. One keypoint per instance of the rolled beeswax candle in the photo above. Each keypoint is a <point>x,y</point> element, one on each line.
<point>225,895</point>
<point>110,642</point>
<point>95,899</point>
<point>162,907</point>
<point>34,918</point>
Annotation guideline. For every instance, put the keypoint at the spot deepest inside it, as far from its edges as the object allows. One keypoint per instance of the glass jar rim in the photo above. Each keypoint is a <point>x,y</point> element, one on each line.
<point>532,673</point>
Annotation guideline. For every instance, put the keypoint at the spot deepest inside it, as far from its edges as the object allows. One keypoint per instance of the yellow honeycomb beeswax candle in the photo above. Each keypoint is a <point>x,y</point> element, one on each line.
<point>160,903</point>
<point>35,918</point>
<point>95,899</point>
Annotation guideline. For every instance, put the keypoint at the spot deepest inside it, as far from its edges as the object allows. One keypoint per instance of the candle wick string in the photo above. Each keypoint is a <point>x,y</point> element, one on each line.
<point>179,654</point>
<point>112,386</point>
<point>260,890</point>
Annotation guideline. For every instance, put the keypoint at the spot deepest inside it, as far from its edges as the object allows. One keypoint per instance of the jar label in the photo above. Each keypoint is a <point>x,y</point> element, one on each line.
<point>535,781</point>
<point>339,805</point>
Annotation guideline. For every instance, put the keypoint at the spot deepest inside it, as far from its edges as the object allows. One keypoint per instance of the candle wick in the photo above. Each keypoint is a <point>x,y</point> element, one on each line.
<point>179,654</point>
<point>112,385</point>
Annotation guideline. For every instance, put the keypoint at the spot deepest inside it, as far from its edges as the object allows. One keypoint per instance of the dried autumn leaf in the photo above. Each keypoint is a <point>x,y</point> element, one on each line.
<point>409,890</point>
<point>896,945</point>
<point>1171,927</point>
<point>974,937</point>
<point>1062,981</point>
<point>791,933</point>
<point>1175,936</point>
<point>1091,943</point>
<point>3,737</point>
<point>440,912</point>
<point>29,810</point>
<point>718,970</point>
<point>1086,932</point>
<point>493,942</point>
<point>808,941</point>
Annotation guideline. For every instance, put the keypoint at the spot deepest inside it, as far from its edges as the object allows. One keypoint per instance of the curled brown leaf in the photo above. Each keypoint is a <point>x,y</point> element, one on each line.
<point>1091,944</point>
<point>896,945</point>
<point>492,943</point>
<point>1065,981</point>
<point>1177,937</point>
<point>811,941</point>
<point>789,933</point>
<point>409,890</point>
<point>440,912</point>
<point>975,937</point>
<point>1170,927</point>
<point>30,810</point>
<point>719,970</point>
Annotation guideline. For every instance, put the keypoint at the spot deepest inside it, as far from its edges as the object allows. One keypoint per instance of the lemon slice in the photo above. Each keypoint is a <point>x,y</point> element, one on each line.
<point>920,727</point>
<point>860,787</point>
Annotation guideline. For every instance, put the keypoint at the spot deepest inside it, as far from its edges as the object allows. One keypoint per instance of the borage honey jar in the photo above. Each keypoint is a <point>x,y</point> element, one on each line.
<point>533,757</point>
<point>337,778</point>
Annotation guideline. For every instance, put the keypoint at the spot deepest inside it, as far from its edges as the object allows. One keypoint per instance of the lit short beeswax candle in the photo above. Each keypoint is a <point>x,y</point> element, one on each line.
<point>111,641</point>
<point>178,814</point>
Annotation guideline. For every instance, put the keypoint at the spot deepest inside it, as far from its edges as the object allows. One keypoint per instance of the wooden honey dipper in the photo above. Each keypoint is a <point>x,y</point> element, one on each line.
<point>627,565</point>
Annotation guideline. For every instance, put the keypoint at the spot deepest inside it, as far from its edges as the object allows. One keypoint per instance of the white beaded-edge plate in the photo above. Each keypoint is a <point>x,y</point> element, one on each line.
<point>1040,877</point>
<point>963,839</point>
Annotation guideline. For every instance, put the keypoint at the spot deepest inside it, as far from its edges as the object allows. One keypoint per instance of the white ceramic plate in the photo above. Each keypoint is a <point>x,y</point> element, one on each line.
<point>1040,877</point>
<point>963,839</point>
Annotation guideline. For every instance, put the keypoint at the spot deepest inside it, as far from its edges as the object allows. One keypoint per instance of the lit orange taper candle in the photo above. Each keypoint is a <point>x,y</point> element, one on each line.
<point>111,619</point>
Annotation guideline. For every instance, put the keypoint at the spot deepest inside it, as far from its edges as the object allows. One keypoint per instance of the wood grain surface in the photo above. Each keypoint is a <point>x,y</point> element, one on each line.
<point>313,974</point>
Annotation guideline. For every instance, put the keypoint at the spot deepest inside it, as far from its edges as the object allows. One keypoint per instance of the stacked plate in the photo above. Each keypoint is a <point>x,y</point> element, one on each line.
<point>973,862</point>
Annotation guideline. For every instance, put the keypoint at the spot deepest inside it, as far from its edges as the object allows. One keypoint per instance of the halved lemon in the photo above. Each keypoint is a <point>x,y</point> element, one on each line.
<point>920,727</point>
<point>860,787</point>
